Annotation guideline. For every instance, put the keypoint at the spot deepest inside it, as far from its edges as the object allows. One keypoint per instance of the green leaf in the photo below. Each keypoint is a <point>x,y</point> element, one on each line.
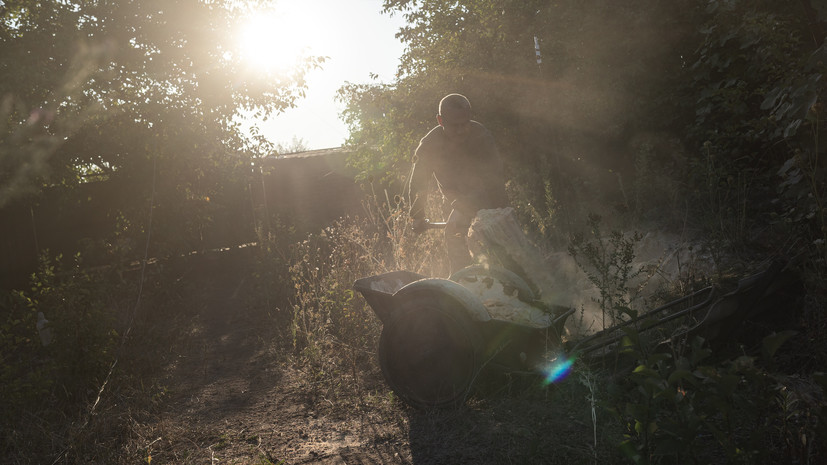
<point>638,427</point>
<point>773,342</point>
<point>680,375</point>
<point>643,370</point>
<point>791,128</point>
<point>637,410</point>
<point>705,372</point>
<point>728,383</point>
<point>821,379</point>
<point>772,97</point>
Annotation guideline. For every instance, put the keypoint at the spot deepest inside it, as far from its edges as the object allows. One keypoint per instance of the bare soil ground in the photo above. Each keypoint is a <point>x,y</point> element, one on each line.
<point>233,394</point>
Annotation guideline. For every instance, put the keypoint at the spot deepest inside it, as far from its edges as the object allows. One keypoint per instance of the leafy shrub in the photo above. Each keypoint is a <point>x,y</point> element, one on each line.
<point>679,403</point>
<point>539,210</point>
<point>723,199</point>
<point>52,366</point>
<point>607,261</point>
<point>333,331</point>
<point>755,78</point>
<point>687,407</point>
<point>82,319</point>
<point>26,373</point>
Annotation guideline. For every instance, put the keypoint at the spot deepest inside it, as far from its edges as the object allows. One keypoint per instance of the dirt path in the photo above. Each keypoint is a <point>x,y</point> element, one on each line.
<point>235,398</point>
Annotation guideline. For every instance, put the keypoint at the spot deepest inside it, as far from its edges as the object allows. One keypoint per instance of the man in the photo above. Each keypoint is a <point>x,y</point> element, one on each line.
<point>460,153</point>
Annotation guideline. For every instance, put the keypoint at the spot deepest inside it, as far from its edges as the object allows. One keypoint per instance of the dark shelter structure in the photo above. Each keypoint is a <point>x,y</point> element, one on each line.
<point>305,191</point>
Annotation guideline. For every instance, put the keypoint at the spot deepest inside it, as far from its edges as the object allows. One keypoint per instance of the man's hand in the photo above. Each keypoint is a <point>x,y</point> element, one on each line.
<point>465,206</point>
<point>419,225</point>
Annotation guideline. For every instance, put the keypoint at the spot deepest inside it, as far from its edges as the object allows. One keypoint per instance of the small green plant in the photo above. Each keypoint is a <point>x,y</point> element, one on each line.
<point>57,338</point>
<point>588,379</point>
<point>656,193</point>
<point>688,408</point>
<point>82,318</point>
<point>802,209</point>
<point>723,200</point>
<point>608,263</point>
<point>541,211</point>
<point>26,372</point>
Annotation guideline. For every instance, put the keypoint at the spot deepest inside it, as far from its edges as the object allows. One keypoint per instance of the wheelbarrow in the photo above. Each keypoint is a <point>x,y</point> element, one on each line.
<point>439,334</point>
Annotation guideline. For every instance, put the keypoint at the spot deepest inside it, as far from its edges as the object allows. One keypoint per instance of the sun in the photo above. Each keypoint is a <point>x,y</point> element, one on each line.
<point>275,41</point>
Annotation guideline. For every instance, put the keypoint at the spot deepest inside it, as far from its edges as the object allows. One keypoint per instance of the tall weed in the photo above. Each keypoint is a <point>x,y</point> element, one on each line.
<point>334,332</point>
<point>608,263</point>
<point>57,341</point>
<point>725,201</point>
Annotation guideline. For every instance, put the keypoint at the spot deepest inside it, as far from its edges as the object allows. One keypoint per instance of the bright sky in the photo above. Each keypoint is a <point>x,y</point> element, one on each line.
<point>359,41</point>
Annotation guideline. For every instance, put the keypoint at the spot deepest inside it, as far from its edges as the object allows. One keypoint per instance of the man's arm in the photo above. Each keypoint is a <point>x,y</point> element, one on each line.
<point>420,177</point>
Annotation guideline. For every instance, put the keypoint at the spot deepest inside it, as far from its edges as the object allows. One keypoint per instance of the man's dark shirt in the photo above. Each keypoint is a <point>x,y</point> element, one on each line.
<point>469,171</point>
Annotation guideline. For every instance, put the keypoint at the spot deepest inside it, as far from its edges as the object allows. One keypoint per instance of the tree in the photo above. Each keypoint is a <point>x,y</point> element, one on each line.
<point>92,66</point>
<point>139,91</point>
<point>559,123</point>
<point>750,101</point>
<point>296,145</point>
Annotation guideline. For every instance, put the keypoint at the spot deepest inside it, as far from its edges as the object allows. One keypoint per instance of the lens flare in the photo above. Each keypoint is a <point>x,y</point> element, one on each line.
<point>558,369</point>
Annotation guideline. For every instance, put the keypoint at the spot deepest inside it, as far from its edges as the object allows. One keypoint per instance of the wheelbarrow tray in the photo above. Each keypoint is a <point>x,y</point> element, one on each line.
<point>378,290</point>
<point>438,335</point>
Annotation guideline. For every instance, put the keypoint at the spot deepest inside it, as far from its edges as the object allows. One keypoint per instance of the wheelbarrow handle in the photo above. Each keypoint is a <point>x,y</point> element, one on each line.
<point>435,225</point>
<point>427,224</point>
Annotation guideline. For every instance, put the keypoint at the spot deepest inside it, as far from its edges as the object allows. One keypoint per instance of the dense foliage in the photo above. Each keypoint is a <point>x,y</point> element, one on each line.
<point>665,110</point>
<point>149,95</point>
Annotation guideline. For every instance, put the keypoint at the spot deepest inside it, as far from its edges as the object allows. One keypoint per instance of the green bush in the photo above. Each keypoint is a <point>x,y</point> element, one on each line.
<point>26,372</point>
<point>77,303</point>
<point>334,332</point>
<point>71,361</point>
<point>681,402</point>
<point>686,406</point>
<point>607,261</point>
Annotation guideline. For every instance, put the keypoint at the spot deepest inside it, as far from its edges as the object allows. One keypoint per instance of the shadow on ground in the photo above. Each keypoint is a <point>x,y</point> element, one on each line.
<point>510,421</point>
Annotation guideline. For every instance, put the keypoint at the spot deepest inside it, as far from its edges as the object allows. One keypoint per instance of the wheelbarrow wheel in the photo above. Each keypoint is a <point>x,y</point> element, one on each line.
<point>429,352</point>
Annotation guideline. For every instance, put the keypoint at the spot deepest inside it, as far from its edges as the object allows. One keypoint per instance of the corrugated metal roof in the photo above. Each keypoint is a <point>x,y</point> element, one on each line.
<point>307,154</point>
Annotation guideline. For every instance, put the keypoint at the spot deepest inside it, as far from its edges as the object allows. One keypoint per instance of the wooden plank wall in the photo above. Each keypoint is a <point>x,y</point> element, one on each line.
<point>308,191</point>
